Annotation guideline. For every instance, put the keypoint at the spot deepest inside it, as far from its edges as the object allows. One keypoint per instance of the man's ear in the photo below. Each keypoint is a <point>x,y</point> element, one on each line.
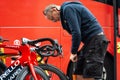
<point>54,9</point>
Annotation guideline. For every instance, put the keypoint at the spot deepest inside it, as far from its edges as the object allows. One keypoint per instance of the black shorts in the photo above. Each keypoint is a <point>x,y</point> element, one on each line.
<point>91,58</point>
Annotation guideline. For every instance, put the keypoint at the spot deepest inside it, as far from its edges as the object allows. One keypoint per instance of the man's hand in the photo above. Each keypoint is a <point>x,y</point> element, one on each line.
<point>73,57</point>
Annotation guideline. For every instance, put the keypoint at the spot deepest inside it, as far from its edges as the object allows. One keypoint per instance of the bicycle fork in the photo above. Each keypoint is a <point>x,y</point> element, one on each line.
<point>33,71</point>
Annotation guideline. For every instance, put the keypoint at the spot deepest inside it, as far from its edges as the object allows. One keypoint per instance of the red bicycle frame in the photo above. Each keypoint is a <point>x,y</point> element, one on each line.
<point>27,58</point>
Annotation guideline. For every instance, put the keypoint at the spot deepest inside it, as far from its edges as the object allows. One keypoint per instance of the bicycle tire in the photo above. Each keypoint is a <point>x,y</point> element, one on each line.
<point>54,70</point>
<point>25,71</point>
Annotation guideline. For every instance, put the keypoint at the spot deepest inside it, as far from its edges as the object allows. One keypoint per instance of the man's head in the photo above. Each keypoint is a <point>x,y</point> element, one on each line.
<point>52,12</point>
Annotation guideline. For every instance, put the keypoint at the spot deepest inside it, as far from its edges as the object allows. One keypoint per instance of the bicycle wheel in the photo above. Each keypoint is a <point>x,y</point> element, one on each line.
<point>25,74</point>
<point>53,72</point>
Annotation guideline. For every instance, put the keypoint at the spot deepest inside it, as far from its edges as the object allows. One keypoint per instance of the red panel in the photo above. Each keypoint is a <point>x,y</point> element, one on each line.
<point>24,12</point>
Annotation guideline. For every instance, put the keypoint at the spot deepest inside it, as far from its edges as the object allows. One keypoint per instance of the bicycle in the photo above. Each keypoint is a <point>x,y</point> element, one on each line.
<point>48,50</point>
<point>52,49</point>
<point>25,64</point>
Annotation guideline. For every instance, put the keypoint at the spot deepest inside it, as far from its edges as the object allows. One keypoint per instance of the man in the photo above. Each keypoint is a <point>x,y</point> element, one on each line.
<point>77,20</point>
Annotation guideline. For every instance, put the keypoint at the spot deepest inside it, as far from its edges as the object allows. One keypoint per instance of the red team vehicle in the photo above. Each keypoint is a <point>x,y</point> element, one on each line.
<point>24,18</point>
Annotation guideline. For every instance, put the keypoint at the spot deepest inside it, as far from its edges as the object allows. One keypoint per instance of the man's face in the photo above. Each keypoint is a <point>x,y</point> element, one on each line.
<point>53,15</point>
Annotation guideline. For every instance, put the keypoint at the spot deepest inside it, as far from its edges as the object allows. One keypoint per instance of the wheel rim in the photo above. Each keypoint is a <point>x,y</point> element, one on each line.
<point>104,74</point>
<point>52,75</point>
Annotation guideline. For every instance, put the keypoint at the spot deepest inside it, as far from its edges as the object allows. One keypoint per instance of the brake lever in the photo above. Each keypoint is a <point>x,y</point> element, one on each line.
<point>42,52</point>
<point>60,51</point>
<point>58,48</point>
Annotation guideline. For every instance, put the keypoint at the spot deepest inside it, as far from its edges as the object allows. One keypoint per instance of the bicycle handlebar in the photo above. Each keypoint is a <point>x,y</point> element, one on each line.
<point>47,50</point>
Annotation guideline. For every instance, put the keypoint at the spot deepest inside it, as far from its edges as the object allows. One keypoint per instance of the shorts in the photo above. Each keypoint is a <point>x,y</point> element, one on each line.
<point>91,58</point>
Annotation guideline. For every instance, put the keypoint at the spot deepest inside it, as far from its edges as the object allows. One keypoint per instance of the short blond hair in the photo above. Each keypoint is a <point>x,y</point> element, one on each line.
<point>48,8</point>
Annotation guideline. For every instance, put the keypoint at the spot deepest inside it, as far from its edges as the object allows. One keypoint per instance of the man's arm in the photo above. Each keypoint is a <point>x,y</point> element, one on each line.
<point>72,20</point>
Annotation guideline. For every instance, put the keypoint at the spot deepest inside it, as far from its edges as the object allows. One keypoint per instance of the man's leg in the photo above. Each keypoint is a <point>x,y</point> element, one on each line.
<point>80,77</point>
<point>94,58</point>
<point>88,79</point>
